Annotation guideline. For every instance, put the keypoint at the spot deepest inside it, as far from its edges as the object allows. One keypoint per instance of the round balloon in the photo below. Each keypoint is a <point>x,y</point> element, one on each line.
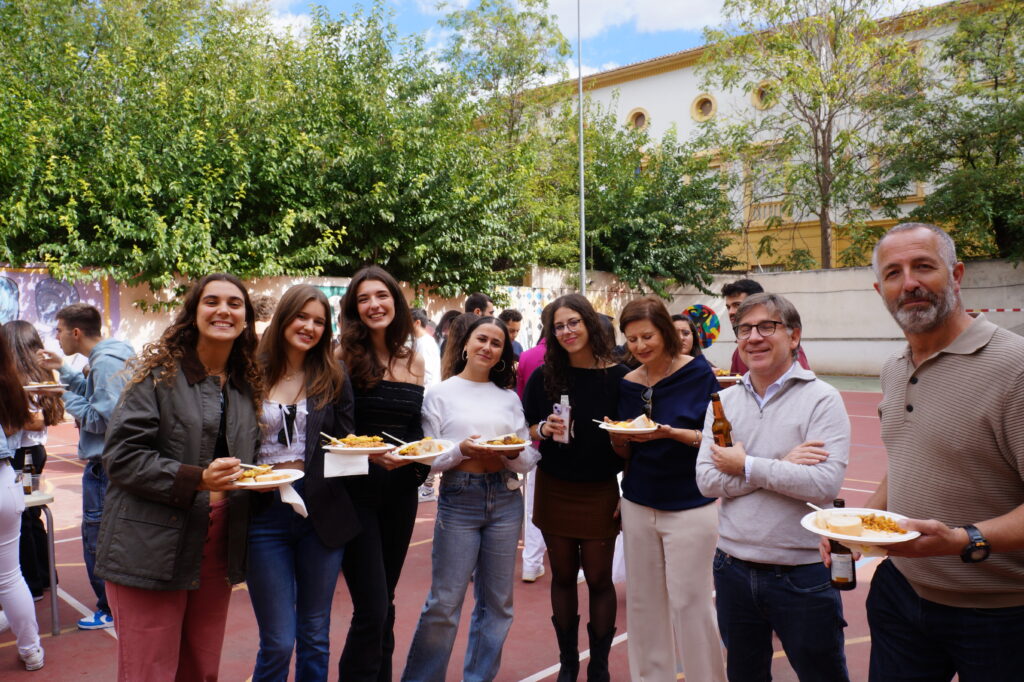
<point>706,322</point>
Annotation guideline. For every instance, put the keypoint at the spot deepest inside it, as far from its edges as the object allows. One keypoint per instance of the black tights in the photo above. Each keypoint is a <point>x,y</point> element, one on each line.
<point>566,555</point>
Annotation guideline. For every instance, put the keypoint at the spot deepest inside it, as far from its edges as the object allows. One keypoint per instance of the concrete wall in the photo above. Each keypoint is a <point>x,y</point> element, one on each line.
<point>847,329</point>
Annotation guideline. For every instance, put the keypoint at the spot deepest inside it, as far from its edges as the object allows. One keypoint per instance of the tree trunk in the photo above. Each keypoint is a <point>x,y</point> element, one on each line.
<point>826,240</point>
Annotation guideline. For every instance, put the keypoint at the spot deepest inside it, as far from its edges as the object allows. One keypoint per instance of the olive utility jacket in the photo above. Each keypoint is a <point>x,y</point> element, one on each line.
<point>161,437</point>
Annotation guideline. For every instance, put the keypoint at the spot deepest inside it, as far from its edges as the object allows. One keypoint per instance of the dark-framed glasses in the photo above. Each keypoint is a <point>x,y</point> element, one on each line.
<point>647,397</point>
<point>569,326</point>
<point>764,328</point>
<point>287,432</point>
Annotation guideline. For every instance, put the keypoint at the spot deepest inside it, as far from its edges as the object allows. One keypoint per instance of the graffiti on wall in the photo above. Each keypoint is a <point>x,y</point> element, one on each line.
<point>32,294</point>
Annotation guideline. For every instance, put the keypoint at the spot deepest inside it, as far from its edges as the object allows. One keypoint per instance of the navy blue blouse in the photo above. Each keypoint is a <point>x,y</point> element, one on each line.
<point>660,473</point>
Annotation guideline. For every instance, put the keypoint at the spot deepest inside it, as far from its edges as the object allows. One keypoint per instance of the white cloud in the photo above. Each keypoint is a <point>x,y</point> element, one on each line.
<point>570,65</point>
<point>284,22</point>
<point>646,16</point>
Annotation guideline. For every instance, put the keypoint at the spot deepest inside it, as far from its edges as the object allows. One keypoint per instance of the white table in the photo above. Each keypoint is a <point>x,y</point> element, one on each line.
<point>44,500</point>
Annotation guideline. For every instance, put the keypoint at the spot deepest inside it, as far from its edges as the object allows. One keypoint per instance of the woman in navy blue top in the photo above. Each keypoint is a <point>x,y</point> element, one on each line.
<point>669,528</point>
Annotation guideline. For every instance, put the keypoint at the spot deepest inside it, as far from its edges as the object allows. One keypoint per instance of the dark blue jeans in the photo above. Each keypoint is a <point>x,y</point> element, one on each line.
<point>796,602</point>
<point>916,639</point>
<point>291,579</point>
<point>94,489</point>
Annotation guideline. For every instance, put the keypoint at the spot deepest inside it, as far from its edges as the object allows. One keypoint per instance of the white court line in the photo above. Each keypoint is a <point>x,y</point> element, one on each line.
<point>81,608</point>
<point>75,539</point>
<point>547,672</point>
<point>857,490</point>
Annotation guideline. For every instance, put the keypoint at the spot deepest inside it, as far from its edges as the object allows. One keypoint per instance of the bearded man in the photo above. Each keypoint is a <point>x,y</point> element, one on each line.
<point>952,412</point>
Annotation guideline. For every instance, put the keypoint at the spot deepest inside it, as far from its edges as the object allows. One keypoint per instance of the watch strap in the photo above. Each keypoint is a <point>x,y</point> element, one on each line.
<point>975,542</point>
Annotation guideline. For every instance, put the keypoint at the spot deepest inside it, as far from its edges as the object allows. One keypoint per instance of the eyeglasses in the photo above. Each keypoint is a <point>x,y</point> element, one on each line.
<point>646,396</point>
<point>569,326</point>
<point>765,328</point>
<point>287,432</point>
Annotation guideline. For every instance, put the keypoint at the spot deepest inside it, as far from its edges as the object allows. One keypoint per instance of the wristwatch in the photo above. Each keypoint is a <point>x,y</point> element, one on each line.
<point>977,548</point>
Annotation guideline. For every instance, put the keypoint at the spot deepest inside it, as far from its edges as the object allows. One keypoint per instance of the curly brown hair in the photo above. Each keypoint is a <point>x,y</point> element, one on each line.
<point>556,359</point>
<point>178,342</point>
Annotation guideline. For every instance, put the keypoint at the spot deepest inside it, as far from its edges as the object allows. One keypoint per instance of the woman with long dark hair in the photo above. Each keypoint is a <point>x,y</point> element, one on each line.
<point>577,487</point>
<point>294,560</point>
<point>669,528</point>
<point>47,410</point>
<point>479,510</point>
<point>15,597</point>
<point>387,377</point>
<point>688,334</point>
<point>173,536</point>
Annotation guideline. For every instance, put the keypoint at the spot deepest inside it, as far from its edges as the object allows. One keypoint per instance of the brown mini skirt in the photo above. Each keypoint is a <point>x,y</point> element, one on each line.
<point>575,509</point>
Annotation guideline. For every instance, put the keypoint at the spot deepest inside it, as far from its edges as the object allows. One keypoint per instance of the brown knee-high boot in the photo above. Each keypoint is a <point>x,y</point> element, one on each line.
<point>600,646</point>
<point>568,650</point>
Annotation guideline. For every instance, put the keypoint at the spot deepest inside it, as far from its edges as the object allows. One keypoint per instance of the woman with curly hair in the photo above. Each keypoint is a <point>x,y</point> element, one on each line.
<point>577,487</point>
<point>173,537</point>
<point>387,378</point>
<point>294,560</point>
<point>47,410</point>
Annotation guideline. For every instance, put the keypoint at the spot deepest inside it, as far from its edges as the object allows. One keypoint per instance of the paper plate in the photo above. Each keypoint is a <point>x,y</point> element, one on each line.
<point>876,539</point>
<point>293,475</point>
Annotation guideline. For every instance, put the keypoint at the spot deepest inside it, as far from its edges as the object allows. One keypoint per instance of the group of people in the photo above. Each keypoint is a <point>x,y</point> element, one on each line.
<point>714,549</point>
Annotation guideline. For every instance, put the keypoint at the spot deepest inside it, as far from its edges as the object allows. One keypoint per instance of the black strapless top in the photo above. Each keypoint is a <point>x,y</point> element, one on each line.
<point>394,407</point>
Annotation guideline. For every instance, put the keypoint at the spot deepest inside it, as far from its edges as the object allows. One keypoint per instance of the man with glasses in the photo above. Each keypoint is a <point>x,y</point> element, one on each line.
<point>791,443</point>
<point>90,398</point>
<point>735,293</point>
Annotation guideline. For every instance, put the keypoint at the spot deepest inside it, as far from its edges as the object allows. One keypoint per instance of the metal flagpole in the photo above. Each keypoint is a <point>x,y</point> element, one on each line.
<point>583,212</point>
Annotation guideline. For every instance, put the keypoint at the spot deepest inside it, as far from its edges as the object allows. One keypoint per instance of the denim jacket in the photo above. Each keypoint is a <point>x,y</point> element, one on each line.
<point>91,399</point>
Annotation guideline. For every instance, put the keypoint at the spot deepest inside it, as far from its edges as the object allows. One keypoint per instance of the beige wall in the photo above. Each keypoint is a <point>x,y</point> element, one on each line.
<point>847,330</point>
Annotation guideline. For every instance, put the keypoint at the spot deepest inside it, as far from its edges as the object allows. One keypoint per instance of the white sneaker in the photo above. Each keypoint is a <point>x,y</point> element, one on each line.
<point>34,659</point>
<point>4,623</point>
<point>530,575</point>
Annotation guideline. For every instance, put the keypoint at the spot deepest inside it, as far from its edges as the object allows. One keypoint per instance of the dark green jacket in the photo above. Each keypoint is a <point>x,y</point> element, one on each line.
<point>161,437</point>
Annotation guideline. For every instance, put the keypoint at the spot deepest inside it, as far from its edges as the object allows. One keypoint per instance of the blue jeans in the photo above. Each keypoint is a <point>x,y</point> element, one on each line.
<point>291,578</point>
<point>94,490</point>
<point>916,639</point>
<point>476,534</point>
<point>796,602</point>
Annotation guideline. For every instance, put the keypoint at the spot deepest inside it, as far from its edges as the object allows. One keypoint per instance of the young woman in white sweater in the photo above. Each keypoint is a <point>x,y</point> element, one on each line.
<point>480,508</point>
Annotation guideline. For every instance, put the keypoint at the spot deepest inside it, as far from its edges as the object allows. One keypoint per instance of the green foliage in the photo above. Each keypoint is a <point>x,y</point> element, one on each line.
<point>964,134</point>
<point>820,60</point>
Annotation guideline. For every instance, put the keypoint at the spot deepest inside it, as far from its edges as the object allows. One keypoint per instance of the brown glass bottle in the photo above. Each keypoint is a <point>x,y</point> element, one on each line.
<point>844,573</point>
<point>26,474</point>
<point>720,428</point>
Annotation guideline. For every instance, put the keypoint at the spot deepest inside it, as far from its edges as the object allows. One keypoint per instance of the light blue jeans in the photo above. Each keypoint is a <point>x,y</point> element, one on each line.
<point>476,535</point>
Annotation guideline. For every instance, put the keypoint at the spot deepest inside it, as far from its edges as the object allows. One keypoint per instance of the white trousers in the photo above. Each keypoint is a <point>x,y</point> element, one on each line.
<point>533,540</point>
<point>668,593</point>
<point>15,597</point>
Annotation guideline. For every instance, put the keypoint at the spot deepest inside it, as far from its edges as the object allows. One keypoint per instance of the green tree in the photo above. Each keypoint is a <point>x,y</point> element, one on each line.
<point>810,64</point>
<point>657,216</point>
<point>964,134</point>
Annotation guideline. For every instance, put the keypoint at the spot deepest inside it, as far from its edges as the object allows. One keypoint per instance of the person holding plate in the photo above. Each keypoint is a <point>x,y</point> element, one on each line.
<point>791,443</point>
<point>387,376</point>
<point>577,495</point>
<point>173,537</point>
<point>479,510</point>
<point>295,559</point>
<point>668,525</point>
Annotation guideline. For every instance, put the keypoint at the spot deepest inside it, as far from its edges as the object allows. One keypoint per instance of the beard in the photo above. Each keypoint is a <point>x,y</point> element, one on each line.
<point>920,320</point>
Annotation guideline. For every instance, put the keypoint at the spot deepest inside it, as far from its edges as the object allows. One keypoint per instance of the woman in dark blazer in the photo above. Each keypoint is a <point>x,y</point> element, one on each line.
<point>295,549</point>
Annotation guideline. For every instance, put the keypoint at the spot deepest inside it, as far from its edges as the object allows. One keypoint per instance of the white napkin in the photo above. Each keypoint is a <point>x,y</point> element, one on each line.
<point>291,497</point>
<point>337,464</point>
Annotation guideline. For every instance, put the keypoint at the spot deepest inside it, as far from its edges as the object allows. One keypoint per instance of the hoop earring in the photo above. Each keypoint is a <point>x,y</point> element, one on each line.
<point>503,365</point>
<point>465,354</point>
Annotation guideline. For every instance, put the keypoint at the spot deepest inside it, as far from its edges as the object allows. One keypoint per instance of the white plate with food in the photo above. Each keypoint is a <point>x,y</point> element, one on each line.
<point>358,445</point>
<point>641,424</point>
<point>858,527</point>
<point>502,443</point>
<point>261,479</point>
<point>424,451</point>
<point>42,386</point>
